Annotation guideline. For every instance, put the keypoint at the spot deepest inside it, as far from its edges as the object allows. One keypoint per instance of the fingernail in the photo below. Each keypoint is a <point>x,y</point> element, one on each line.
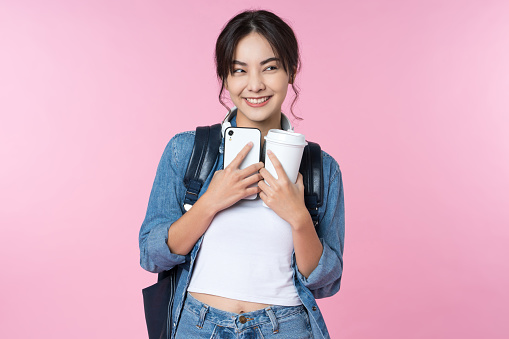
<point>269,151</point>
<point>250,143</point>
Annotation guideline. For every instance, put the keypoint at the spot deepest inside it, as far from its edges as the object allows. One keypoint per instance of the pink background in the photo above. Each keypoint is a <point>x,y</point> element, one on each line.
<point>411,98</point>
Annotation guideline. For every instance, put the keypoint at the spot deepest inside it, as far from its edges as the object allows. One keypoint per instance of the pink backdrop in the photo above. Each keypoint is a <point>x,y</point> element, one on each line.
<point>409,96</point>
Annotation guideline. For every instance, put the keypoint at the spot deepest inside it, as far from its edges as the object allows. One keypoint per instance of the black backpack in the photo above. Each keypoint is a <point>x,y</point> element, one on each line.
<point>158,298</point>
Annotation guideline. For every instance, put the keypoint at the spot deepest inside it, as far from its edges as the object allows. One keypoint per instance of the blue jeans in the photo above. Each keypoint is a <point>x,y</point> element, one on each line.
<point>199,320</point>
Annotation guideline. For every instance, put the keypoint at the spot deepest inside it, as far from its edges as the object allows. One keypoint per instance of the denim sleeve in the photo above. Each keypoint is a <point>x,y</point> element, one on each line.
<point>325,279</point>
<point>163,210</point>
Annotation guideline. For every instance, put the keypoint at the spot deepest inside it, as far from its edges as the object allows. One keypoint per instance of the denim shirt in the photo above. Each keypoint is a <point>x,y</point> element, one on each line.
<point>166,206</point>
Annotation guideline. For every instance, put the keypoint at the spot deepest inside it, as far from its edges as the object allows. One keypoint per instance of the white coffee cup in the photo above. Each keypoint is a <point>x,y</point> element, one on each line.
<point>288,147</point>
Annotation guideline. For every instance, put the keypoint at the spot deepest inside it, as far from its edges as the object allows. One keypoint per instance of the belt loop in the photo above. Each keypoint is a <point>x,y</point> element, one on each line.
<point>273,319</point>
<point>203,312</point>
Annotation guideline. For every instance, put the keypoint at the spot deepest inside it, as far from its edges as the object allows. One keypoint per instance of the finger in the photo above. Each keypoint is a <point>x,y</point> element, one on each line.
<point>252,179</point>
<point>252,190</point>
<point>241,155</point>
<point>300,179</point>
<point>300,182</point>
<point>264,197</point>
<point>281,174</point>
<point>265,188</point>
<point>251,169</point>
<point>268,177</point>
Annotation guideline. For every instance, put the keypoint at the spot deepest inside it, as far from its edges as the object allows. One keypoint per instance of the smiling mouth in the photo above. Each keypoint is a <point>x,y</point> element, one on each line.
<point>257,100</point>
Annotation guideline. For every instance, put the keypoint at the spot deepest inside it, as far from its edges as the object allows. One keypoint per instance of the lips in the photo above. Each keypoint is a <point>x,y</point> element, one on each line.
<point>257,102</point>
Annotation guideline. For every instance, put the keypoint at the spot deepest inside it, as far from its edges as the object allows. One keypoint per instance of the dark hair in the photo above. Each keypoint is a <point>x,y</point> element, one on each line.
<point>277,32</point>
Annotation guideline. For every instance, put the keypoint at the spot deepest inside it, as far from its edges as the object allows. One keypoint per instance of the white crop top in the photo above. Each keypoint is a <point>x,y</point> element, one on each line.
<point>246,254</point>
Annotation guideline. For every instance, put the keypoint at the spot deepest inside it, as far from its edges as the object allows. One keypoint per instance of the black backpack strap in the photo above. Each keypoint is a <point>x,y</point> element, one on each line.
<point>312,171</point>
<point>206,147</point>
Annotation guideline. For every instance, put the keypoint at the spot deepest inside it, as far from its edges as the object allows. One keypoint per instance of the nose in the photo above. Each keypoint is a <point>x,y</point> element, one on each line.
<point>255,82</point>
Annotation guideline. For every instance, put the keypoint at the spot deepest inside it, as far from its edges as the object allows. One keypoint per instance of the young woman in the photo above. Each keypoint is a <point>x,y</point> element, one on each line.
<point>247,271</point>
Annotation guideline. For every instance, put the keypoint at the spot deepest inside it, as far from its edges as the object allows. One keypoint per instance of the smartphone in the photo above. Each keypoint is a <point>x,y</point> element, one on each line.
<point>235,138</point>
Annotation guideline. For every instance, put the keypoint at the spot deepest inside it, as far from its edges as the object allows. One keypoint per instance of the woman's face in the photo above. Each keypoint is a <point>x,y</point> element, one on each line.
<point>259,83</point>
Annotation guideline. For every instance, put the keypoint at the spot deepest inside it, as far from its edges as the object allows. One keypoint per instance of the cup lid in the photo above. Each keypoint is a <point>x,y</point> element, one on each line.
<point>286,137</point>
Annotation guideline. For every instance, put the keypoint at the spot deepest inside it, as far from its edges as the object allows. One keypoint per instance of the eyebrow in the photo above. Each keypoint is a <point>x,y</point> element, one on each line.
<point>237,62</point>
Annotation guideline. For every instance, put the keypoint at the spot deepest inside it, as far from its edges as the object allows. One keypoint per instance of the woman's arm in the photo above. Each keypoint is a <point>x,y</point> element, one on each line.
<point>307,246</point>
<point>325,280</point>
<point>161,246</point>
<point>318,251</point>
<point>287,200</point>
<point>226,188</point>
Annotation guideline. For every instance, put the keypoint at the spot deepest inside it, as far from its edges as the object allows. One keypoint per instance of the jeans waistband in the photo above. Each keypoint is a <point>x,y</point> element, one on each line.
<point>270,314</point>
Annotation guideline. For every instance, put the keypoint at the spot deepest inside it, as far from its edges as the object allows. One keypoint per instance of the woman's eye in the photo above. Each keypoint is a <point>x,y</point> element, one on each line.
<point>271,68</point>
<point>238,70</point>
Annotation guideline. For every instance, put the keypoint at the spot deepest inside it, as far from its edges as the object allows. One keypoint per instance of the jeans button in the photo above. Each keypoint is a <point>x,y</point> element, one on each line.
<point>242,319</point>
<point>313,308</point>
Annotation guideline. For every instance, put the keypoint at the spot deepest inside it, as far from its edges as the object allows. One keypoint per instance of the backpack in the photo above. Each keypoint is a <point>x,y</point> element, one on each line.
<point>158,298</point>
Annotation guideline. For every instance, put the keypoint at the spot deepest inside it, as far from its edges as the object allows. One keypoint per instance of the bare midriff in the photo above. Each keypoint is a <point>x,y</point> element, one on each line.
<point>227,304</point>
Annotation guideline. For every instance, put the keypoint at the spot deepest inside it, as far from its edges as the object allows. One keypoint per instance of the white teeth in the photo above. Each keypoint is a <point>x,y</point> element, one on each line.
<point>257,101</point>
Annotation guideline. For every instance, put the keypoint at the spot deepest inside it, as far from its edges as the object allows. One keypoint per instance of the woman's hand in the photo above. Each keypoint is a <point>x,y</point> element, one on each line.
<point>232,184</point>
<point>283,196</point>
